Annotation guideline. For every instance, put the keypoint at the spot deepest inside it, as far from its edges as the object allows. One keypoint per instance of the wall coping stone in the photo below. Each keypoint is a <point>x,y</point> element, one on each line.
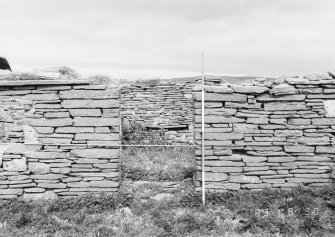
<point>44,82</point>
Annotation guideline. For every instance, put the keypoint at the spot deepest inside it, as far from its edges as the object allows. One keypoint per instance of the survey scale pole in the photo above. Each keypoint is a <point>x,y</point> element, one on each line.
<point>203,128</point>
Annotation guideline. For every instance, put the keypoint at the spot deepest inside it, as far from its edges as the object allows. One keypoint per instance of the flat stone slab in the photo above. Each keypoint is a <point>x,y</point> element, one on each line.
<point>43,82</point>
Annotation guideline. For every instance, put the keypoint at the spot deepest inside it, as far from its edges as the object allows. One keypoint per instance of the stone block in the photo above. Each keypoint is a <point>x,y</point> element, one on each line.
<point>52,185</point>
<point>96,153</point>
<point>325,149</point>
<point>78,184</point>
<point>244,179</point>
<point>256,186</point>
<point>323,121</point>
<point>11,192</point>
<point>226,169</point>
<point>39,168</point>
<point>89,104</point>
<point>222,152</point>
<point>249,89</point>
<point>104,184</point>
<point>95,137</point>
<point>221,97</point>
<point>219,119</point>
<point>299,148</point>
<point>15,165</point>
<point>40,97</point>
<point>47,176</point>
<point>85,112</point>
<point>295,121</point>
<point>218,89</point>
<point>270,98</point>
<point>88,94</point>
<point>253,159</point>
<point>47,155</point>
<point>212,177</point>
<point>75,130</point>
<point>280,106</point>
<point>107,166</point>
<point>97,122</point>
<point>281,159</point>
<point>44,130</point>
<point>283,89</point>
<point>257,120</point>
<point>34,190</point>
<point>50,122</point>
<point>57,115</point>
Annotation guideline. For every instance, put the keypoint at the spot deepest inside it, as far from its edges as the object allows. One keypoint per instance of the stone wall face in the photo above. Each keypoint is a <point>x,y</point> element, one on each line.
<point>166,106</point>
<point>267,135</point>
<point>60,140</point>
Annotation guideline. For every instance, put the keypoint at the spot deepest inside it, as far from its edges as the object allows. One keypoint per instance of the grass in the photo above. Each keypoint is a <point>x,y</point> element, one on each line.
<point>134,213</point>
<point>157,163</point>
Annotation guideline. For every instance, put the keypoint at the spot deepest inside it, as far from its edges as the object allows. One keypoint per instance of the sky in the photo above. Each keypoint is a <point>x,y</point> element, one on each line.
<point>146,39</point>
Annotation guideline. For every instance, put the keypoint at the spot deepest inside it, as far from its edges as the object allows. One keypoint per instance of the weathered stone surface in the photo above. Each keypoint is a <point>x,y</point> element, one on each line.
<point>216,119</point>
<point>102,137</point>
<point>85,112</point>
<point>50,122</point>
<point>283,89</point>
<point>88,94</point>
<point>212,177</point>
<point>96,153</point>
<point>249,89</point>
<point>11,192</point>
<point>77,104</point>
<point>104,184</point>
<point>256,186</point>
<point>301,148</point>
<point>52,185</point>
<point>57,115</point>
<point>299,121</point>
<point>222,152</point>
<point>39,168</point>
<point>269,98</point>
<point>253,159</point>
<point>218,89</point>
<point>227,169</point>
<point>282,159</point>
<point>47,155</point>
<point>47,176</point>
<point>257,120</point>
<point>244,179</point>
<point>221,97</point>
<point>323,121</point>
<point>44,130</point>
<point>40,97</point>
<point>97,122</point>
<point>75,130</point>
<point>107,166</point>
<point>275,106</point>
<point>325,149</point>
<point>16,165</point>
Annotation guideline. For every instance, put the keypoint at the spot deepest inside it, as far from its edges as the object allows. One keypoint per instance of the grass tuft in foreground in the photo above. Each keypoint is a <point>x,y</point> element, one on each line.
<point>299,212</point>
<point>157,163</point>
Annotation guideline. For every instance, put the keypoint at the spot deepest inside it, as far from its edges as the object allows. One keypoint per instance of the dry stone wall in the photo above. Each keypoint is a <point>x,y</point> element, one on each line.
<point>59,138</point>
<point>157,106</point>
<point>268,134</point>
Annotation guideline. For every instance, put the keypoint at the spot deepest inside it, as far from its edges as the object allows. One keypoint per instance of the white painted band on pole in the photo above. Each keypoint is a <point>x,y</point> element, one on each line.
<point>203,128</point>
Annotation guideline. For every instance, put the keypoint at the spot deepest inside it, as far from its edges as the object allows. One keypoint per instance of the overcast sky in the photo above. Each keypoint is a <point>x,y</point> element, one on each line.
<point>164,38</point>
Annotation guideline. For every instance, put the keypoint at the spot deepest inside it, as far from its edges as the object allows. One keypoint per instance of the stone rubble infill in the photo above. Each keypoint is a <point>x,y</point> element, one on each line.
<point>161,106</point>
<point>75,129</point>
<point>265,135</point>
